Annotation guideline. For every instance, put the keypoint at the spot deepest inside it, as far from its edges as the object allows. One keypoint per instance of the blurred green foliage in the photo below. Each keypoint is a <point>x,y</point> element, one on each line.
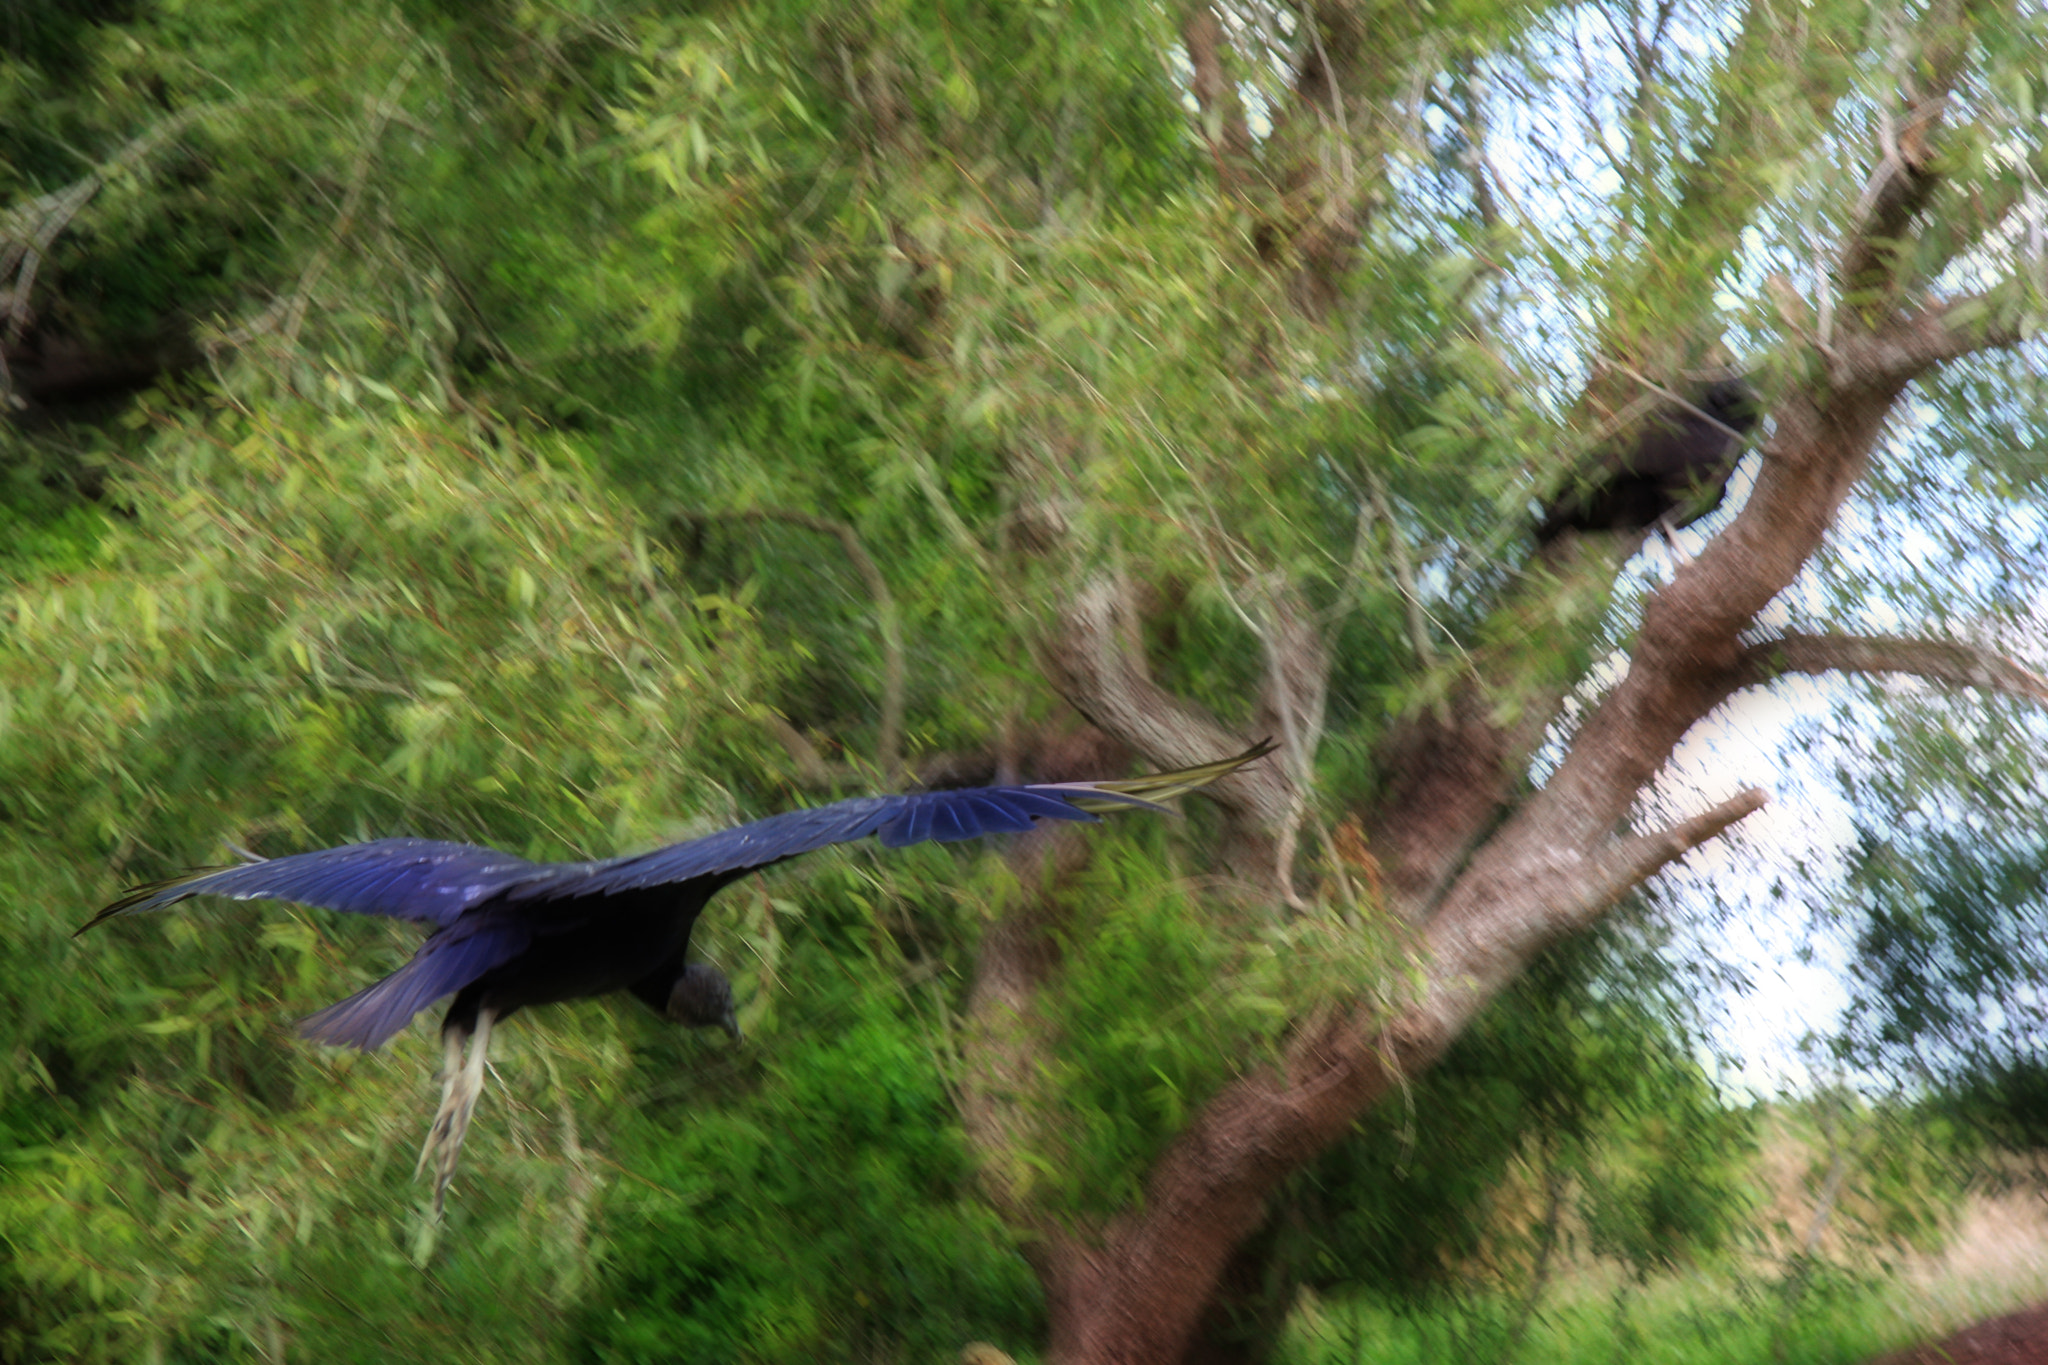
<point>828,1216</point>
<point>535,358</point>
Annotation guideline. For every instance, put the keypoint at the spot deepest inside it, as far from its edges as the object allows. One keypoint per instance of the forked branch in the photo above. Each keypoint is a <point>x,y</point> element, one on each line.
<point>1909,346</point>
<point>31,229</point>
<point>1095,658</point>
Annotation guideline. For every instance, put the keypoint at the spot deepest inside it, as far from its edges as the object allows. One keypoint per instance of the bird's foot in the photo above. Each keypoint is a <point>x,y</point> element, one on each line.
<point>444,1136</point>
<point>450,1077</point>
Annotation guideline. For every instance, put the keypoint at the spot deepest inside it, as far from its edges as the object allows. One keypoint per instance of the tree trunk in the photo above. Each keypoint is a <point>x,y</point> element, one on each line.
<point>1483,878</point>
<point>1138,1291</point>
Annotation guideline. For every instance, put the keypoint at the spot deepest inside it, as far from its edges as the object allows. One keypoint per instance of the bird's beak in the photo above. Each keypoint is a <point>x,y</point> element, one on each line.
<point>731,1024</point>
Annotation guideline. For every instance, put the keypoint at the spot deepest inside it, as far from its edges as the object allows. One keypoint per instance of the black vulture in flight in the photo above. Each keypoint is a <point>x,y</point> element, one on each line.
<point>508,933</point>
<point>1673,475</point>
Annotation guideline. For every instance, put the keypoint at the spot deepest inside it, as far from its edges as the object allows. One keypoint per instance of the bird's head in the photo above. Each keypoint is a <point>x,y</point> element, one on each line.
<point>702,998</point>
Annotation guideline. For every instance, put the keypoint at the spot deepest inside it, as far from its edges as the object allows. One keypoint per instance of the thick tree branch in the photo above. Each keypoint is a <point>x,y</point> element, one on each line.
<point>1943,661</point>
<point>1451,768</point>
<point>1452,765</point>
<point>1095,658</point>
<point>1630,861</point>
<point>1133,1295</point>
<point>1210,1188</point>
<point>1543,873</point>
<point>1910,346</point>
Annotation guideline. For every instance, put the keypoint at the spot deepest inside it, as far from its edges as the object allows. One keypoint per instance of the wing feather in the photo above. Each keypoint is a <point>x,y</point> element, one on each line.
<point>415,879</point>
<point>994,815</point>
<point>437,883</point>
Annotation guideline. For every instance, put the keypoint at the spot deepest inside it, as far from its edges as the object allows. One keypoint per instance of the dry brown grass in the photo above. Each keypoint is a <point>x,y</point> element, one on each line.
<point>1996,1258</point>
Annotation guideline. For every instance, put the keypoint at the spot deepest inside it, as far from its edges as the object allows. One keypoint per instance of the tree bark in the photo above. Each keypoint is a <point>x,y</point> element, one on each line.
<point>1483,879</point>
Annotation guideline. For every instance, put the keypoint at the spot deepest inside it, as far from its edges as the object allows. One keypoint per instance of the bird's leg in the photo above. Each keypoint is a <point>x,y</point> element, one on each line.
<point>462,1083</point>
<point>453,1036</point>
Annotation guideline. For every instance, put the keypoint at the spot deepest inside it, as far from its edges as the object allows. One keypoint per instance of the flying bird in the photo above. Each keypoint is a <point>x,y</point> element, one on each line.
<point>1675,472</point>
<point>508,933</point>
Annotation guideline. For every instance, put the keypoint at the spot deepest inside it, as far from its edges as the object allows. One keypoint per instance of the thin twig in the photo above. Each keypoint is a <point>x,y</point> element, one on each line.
<point>1680,400</point>
<point>1404,572</point>
<point>889,744</point>
<point>37,224</point>
<point>287,313</point>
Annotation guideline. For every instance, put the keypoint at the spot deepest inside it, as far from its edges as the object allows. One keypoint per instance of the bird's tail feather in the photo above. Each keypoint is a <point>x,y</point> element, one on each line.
<point>444,964</point>
<point>372,1015</point>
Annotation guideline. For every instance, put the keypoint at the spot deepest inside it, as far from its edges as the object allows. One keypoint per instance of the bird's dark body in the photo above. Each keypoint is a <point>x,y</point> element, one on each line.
<point>646,935</point>
<point>1675,472</point>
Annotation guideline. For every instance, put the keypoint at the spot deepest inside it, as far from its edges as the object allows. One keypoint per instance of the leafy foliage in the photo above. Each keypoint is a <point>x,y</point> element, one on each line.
<point>568,427</point>
<point>828,1216</point>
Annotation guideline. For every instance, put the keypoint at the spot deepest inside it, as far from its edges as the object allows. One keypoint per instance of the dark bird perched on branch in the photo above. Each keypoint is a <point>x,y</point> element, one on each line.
<point>509,933</point>
<point>1674,473</point>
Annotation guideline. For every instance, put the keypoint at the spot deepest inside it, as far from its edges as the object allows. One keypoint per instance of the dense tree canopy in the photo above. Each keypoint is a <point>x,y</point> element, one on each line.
<point>571,427</point>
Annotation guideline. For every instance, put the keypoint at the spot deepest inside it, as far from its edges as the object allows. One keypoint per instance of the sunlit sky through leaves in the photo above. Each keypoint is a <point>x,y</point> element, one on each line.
<point>1928,546</point>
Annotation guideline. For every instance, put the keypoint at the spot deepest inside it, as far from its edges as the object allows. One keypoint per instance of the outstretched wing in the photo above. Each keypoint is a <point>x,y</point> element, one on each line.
<point>898,821</point>
<point>435,883</point>
<point>416,879</point>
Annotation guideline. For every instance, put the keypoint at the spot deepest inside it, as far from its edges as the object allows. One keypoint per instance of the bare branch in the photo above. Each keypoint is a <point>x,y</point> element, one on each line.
<point>1678,400</point>
<point>1096,660</point>
<point>31,229</point>
<point>1404,573</point>
<point>1339,203</point>
<point>811,768</point>
<point>1098,663</point>
<point>1293,699</point>
<point>1942,661</point>
<point>1629,861</point>
<point>1905,178</point>
<point>287,313</point>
